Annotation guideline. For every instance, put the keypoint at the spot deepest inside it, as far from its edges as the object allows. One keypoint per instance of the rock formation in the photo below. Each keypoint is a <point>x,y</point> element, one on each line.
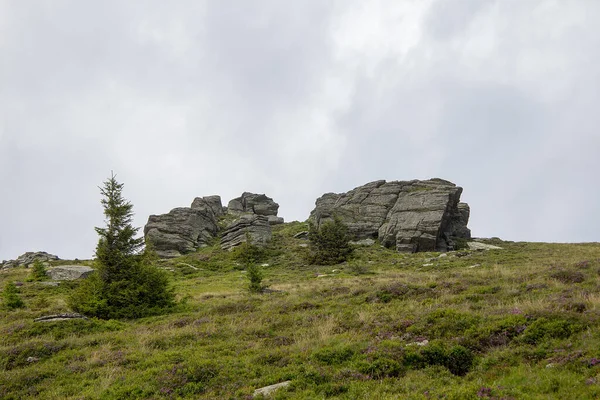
<point>406,215</point>
<point>28,259</point>
<point>259,204</point>
<point>186,229</point>
<point>256,226</point>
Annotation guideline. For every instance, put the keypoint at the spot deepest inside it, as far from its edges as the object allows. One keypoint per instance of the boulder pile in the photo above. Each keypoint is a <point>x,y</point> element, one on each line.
<point>186,229</point>
<point>28,259</point>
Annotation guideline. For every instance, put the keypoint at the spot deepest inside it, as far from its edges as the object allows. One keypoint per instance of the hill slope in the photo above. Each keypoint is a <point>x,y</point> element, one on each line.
<point>522,322</point>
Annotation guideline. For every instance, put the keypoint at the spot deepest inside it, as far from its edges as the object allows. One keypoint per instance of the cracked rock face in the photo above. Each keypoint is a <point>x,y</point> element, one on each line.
<point>256,226</point>
<point>183,230</point>
<point>407,215</point>
<point>186,229</point>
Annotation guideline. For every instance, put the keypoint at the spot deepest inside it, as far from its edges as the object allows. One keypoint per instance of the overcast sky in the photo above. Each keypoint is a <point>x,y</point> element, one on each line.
<point>295,99</point>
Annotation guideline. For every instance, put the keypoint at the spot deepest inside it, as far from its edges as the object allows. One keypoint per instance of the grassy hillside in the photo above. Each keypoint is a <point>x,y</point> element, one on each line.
<point>518,323</point>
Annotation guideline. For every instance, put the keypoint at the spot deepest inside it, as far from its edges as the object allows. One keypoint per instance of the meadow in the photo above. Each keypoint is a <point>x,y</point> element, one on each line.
<point>518,323</point>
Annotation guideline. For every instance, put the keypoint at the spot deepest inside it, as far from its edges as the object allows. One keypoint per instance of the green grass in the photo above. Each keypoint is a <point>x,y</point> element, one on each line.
<point>523,324</point>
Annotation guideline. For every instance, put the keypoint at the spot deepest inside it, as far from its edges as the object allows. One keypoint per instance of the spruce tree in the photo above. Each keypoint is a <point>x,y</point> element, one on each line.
<point>117,245</point>
<point>329,243</point>
<point>126,283</point>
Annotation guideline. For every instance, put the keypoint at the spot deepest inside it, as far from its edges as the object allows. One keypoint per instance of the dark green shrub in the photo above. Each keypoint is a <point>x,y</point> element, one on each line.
<point>255,278</point>
<point>10,297</point>
<point>249,255</point>
<point>381,368</point>
<point>434,354</point>
<point>459,360</point>
<point>544,328</point>
<point>329,243</point>
<point>567,276</point>
<point>333,356</point>
<point>38,271</point>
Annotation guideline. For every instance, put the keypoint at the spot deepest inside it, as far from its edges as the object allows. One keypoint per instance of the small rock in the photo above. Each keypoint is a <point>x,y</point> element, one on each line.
<point>303,245</point>
<point>551,365</point>
<point>301,235</point>
<point>424,342</point>
<point>53,284</point>
<point>60,317</point>
<point>427,265</point>
<point>482,246</point>
<point>335,270</point>
<point>69,272</point>
<point>32,359</point>
<point>443,255</point>
<point>267,390</point>
<point>264,265</point>
<point>475,266</point>
<point>363,242</point>
<point>322,275</point>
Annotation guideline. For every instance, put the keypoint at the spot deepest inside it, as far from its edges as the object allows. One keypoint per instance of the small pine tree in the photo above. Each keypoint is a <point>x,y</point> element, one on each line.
<point>249,256</point>
<point>329,243</point>
<point>38,271</point>
<point>126,284</point>
<point>10,297</point>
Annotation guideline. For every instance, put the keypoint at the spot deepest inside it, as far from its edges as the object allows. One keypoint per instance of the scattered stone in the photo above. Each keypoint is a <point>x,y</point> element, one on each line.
<point>482,246</point>
<point>301,235</point>
<point>303,245</point>
<point>52,284</point>
<point>322,275</point>
<point>443,255</point>
<point>424,342</point>
<point>427,265</point>
<point>267,390</point>
<point>264,265</point>
<point>27,259</point>
<point>32,359</point>
<point>475,266</point>
<point>363,242</point>
<point>407,215</point>
<point>69,272</point>
<point>256,226</point>
<point>60,317</point>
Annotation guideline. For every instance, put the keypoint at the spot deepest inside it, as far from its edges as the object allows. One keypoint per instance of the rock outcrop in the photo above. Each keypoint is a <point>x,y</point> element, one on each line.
<point>256,226</point>
<point>69,272</point>
<point>28,259</point>
<point>186,229</point>
<point>183,230</point>
<point>407,215</point>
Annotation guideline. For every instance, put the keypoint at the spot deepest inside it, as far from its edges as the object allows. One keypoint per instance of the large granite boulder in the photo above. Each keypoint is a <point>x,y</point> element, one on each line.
<point>69,272</point>
<point>406,215</point>
<point>28,259</point>
<point>255,226</point>
<point>183,230</point>
<point>259,204</point>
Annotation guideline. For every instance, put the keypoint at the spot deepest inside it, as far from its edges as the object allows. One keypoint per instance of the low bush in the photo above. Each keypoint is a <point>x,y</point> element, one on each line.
<point>329,243</point>
<point>10,297</point>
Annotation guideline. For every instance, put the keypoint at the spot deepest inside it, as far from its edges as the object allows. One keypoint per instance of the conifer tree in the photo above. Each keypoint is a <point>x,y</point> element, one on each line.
<point>126,284</point>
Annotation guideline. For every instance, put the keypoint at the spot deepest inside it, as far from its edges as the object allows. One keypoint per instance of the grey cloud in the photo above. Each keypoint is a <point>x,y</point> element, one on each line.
<point>296,99</point>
